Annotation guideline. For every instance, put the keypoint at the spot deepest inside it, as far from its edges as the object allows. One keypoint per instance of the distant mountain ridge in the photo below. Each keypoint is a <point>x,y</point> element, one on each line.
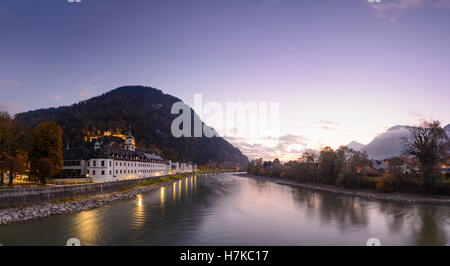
<point>389,143</point>
<point>354,145</point>
<point>146,112</point>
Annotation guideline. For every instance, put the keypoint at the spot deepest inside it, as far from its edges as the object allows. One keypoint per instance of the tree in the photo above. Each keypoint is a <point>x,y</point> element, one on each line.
<point>21,139</point>
<point>428,143</point>
<point>15,166</point>
<point>327,167</point>
<point>47,143</point>
<point>5,141</point>
<point>352,172</point>
<point>276,168</point>
<point>43,168</point>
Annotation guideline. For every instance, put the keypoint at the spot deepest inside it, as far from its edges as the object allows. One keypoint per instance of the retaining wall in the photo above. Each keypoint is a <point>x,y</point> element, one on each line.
<point>24,196</point>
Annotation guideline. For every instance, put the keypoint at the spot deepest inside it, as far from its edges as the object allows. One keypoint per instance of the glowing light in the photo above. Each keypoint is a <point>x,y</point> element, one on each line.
<point>174,191</point>
<point>139,200</point>
<point>162,194</point>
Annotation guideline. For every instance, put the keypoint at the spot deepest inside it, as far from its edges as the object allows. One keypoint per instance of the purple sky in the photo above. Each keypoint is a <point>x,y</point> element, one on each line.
<point>341,70</point>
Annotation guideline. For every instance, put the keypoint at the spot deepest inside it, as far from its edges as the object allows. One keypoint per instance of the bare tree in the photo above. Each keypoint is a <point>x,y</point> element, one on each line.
<point>429,144</point>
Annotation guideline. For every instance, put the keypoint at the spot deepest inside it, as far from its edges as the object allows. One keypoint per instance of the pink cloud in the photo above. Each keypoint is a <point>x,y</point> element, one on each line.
<point>9,107</point>
<point>391,10</point>
<point>8,84</point>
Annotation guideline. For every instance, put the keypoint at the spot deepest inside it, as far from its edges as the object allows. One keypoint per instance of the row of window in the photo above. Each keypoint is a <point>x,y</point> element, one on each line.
<point>103,164</point>
<point>120,172</point>
<point>72,163</point>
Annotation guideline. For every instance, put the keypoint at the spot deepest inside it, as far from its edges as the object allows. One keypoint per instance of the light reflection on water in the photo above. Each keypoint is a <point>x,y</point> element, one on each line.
<point>229,210</point>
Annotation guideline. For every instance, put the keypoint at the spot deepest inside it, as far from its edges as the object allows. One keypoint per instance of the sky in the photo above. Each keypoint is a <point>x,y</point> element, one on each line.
<point>340,70</point>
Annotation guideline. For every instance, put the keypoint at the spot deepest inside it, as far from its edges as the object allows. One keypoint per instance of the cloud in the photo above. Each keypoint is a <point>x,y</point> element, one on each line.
<point>55,99</point>
<point>416,114</point>
<point>8,84</point>
<point>327,122</point>
<point>392,10</point>
<point>86,93</point>
<point>9,107</point>
<point>286,147</point>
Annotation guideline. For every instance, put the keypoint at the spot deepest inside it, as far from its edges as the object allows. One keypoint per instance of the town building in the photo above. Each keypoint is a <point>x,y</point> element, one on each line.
<point>445,166</point>
<point>106,163</point>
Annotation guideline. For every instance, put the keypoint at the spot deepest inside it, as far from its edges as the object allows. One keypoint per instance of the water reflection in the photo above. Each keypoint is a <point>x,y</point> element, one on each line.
<point>229,210</point>
<point>162,195</point>
<point>138,220</point>
<point>86,226</point>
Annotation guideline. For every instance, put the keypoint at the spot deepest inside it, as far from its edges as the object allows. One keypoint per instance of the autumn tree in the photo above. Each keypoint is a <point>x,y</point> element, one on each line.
<point>5,141</point>
<point>428,143</point>
<point>21,139</point>
<point>47,143</point>
<point>327,167</point>
<point>43,168</point>
<point>15,166</point>
<point>276,168</point>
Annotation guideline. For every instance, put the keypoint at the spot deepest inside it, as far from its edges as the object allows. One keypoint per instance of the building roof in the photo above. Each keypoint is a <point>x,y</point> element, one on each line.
<point>83,153</point>
<point>152,156</point>
<point>129,135</point>
<point>80,153</point>
<point>123,154</point>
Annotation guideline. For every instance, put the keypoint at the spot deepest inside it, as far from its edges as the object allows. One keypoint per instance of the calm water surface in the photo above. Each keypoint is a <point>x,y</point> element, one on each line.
<point>223,209</point>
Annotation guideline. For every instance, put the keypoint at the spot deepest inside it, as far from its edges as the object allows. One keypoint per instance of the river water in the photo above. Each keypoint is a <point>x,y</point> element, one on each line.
<point>224,209</point>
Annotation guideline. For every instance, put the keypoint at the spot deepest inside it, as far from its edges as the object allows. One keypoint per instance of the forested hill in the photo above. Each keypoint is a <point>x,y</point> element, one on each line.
<point>144,110</point>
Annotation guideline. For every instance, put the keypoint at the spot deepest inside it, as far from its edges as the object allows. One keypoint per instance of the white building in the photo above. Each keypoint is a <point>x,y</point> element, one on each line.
<point>103,164</point>
<point>108,163</point>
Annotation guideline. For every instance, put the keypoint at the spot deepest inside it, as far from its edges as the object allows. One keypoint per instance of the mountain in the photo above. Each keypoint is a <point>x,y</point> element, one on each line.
<point>447,129</point>
<point>354,145</point>
<point>390,143</point>
<point>146,112</point>
<point>387,144</point>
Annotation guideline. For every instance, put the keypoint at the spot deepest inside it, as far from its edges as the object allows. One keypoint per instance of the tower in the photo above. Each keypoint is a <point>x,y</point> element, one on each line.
<point>130,143</point>
<point>97,145</point>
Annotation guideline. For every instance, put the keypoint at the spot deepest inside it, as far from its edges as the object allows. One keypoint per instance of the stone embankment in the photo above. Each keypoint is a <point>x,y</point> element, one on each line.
<point>35,211</point>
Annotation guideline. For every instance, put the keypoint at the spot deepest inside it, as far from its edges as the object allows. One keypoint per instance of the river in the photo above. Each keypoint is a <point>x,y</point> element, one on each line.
<point>223,209</point>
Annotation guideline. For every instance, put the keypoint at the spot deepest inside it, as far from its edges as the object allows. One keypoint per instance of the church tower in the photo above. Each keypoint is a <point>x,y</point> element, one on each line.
<point>130,143</point>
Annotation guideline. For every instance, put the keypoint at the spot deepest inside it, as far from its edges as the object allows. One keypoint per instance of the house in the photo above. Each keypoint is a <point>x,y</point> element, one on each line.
<point>444,166</point>
<point>75,162</point>
<point>404,164</point>
<point>379,166</point>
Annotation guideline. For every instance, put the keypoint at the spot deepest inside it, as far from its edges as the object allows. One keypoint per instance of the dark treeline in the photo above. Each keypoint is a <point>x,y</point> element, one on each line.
<point>427,145</point>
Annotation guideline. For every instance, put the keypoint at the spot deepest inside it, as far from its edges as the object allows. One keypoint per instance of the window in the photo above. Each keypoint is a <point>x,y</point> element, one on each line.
<point>110,163</point>
<point>117,163</point>
<point>93,171</point>
<point>94,163</point>
<point>103,172</point>
<point>89,163</point>
<point>103,163</point>
<point>110,172</point>
<point>117,171</point>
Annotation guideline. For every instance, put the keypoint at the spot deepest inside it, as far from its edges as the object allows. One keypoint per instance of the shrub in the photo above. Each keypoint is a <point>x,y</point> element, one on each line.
<point>368,182</point>
<point>443,187</point>
<point>385,183</point>
<point>349,178</point>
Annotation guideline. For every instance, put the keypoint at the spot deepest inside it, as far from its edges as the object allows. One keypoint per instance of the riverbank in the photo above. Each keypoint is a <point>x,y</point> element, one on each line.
<point>367,194</point>
<point>73,205</point>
